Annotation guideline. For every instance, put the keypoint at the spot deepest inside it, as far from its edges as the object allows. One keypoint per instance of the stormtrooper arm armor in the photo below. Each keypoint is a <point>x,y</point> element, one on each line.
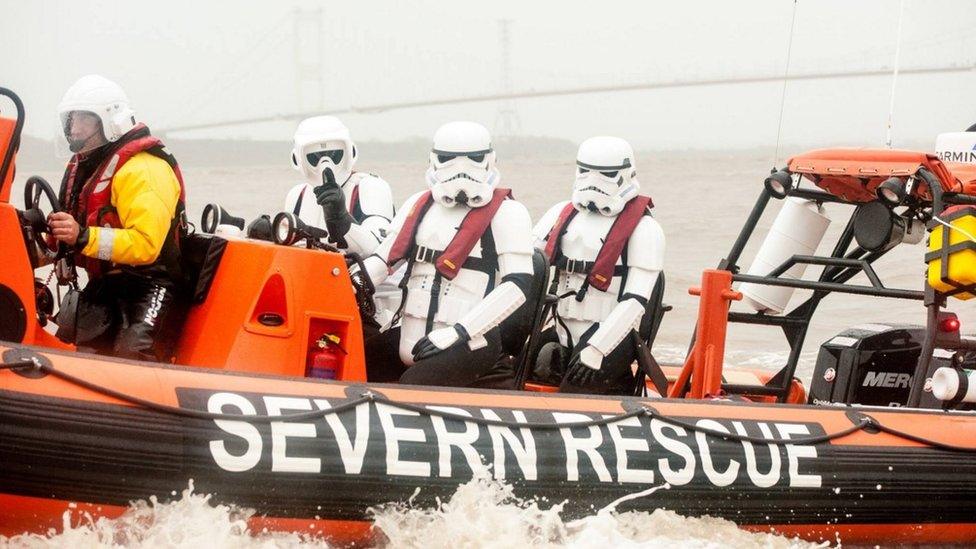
<point>376,204</point>
<point>509,229</point>
<point>645,251</point>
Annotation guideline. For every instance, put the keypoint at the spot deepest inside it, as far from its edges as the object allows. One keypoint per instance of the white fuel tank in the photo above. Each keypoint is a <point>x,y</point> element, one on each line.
<point>797,230</point>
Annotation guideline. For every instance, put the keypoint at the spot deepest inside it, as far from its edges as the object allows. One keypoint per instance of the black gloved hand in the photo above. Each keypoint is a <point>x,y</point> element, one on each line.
<point>439,340</point>
<point>578,373</point>
<point>333,202</point>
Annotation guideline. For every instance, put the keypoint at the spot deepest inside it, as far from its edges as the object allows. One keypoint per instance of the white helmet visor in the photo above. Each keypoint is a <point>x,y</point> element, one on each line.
<point>81,132</point>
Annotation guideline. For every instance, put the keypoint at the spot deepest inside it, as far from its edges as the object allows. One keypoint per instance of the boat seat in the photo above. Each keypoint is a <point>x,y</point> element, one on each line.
<point>201,254</point>
<point>516,328</point>
<point>650,324</point>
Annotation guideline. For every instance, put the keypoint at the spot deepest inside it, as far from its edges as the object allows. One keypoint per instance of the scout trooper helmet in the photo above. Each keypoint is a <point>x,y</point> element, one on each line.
<point>323,142</point>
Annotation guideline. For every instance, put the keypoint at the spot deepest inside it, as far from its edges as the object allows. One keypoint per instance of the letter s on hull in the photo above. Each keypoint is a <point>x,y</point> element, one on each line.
<point>252,437</point>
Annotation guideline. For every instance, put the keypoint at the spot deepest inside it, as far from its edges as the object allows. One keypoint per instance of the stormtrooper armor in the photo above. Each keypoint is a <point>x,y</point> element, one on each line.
<point>323,143</point>
<point>456,310</point>
<point>592,322</point>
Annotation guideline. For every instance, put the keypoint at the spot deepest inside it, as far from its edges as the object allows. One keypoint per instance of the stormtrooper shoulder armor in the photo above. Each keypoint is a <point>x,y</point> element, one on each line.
<point>511,228</point>
<point>375,197</point>
<point>542,228</point>
<point>645,249</point>
<point>398,220</point>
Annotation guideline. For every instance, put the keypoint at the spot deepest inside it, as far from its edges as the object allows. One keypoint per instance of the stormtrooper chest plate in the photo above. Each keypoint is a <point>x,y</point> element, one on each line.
<point>438,227</point>
<point>582,241</point>
<point>585,235</point>
<point>453,297</point>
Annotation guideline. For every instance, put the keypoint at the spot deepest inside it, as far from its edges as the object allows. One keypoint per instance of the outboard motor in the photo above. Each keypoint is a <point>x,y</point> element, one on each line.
<point>873,364</point>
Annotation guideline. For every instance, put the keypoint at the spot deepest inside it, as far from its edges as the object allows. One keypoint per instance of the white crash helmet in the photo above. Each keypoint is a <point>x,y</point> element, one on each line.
<point>606,178</point>
<point>103,98</point>
<point>462,165</point>
<point>323,142</point>
<point>956,147</point>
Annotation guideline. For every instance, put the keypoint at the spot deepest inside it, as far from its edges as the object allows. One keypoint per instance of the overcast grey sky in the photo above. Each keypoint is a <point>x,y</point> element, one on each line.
<point>194,61</point>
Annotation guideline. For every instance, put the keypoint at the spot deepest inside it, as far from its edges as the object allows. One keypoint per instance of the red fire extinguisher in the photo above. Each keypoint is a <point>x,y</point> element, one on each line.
<point>325,358</point>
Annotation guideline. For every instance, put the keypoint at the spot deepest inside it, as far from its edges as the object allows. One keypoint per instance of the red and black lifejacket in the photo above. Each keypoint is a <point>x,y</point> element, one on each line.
<point>600,272</point>
<point>453,258</point>
<point>90,201</point>
<point>475,227</point>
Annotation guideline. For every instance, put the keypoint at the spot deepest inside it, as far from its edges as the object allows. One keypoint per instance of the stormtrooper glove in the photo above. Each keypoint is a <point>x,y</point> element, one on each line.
<point>330,197</point>
<point>439,340</point>
<point>584,366</point>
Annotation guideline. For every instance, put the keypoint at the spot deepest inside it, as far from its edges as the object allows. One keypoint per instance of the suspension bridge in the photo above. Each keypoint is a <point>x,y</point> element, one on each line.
<point>309,81</point>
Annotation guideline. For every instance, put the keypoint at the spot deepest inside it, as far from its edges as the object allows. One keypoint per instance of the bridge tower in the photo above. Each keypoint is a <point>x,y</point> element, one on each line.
<point>507,122</point>
<point>308,58</point>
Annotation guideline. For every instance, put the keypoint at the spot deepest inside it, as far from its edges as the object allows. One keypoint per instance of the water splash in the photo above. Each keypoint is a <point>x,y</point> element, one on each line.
<point>190,522</point>
<point>485,513</point>
<point>481,513</point>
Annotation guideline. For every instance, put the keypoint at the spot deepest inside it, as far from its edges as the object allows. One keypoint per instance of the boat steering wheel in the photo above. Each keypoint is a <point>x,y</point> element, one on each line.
<point>35,216</point>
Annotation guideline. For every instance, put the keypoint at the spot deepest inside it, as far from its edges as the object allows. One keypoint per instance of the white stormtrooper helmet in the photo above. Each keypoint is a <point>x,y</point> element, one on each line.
<point>323,142</point>
<point>462,165</point>
<point>956,147</point>
<point>606,178</point>
<point>94,96</point>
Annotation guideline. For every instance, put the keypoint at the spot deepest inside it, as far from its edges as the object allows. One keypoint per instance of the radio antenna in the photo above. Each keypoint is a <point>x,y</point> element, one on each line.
<point>894,75</point>
<point>782,99</point>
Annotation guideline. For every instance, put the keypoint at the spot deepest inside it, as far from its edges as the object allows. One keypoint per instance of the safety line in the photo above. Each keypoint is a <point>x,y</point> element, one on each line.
<point>865,423</point>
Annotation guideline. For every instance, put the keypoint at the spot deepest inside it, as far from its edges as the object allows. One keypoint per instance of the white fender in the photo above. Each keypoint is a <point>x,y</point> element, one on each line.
<point>947,383</point>
<point>798,229</point>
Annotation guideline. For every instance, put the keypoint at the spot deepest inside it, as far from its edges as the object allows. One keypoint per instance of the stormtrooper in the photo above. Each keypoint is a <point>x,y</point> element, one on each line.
<point>468,253</point>
<point>354,207</point>
<point>607,252</point>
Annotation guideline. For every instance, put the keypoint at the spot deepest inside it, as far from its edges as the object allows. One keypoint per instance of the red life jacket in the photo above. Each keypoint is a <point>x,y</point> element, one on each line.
<point>601,273</point>
<point>94,205</point>
<point>472,228</point>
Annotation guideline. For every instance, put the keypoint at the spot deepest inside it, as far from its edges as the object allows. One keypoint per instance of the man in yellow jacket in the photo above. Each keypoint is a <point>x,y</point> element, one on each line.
<point>123,206</point>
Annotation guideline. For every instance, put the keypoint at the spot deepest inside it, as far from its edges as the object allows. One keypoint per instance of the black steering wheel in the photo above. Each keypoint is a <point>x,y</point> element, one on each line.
<point>35,215</point>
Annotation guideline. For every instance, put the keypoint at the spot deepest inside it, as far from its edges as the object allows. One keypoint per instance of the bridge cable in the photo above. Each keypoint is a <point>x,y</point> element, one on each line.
<point>782,99</point>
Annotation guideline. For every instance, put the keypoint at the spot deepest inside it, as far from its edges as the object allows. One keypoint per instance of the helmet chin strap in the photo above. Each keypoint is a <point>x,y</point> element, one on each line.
<point>81,145</point>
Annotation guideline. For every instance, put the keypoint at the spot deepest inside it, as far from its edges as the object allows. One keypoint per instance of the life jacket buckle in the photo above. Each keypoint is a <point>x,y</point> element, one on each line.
<point>425,255</point>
